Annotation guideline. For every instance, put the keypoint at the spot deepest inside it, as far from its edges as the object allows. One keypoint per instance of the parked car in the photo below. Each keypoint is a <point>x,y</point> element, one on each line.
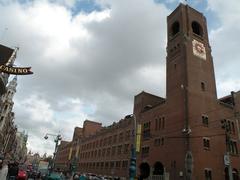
<point>22,172</point>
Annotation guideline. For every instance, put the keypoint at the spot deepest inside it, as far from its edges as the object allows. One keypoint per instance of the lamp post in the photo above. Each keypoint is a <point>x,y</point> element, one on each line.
<point>132,167</point>
<point>56,140</point>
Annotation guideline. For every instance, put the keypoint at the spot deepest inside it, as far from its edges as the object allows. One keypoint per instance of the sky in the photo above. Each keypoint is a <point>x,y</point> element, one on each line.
<point>91,57</point>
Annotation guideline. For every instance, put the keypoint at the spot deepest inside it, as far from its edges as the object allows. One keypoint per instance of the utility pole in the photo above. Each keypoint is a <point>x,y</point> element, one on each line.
<point>132,167</point>
<point>227,160</point>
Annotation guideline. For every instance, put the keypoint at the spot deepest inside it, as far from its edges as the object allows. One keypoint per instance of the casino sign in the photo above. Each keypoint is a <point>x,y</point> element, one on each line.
<point>7,56</point>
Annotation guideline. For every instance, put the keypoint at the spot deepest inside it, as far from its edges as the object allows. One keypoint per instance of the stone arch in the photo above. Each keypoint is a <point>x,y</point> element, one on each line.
<point>175,28</point>
<point>235,174</point>
<point>197,28</point>
<point>158,168</point>
<point>144,170</point>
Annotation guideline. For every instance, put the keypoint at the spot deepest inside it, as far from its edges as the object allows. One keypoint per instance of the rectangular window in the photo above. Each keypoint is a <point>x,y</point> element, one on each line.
<point>205,120</point>
<point>156,124</point>
<point>108,151</point>
<point>124,164</point>
<point>232,146</point>
<point>163,122</point>
<point>203,86</point>
<point>106,165</point>
<point>119,151</point>
<point>157,142</point>
<point>127,137</point>
<point>206,143</point>
<point>146,130</point>
<point>233,128</point>
<point>118,164</point>
<point>126,148</point>
<point>228,125</point>
<point>115,138</point>
<point>102,164</point>
<point>120,137</point>
<point>105,141</point>
<point>145,151</point>
<point>208,174</point>
<point>113,150</point>
<point>110,140</point>
<point>112,164</point>
<point>103,152</point>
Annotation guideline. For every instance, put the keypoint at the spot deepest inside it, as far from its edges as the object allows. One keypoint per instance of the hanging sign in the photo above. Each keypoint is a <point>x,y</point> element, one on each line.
<point>7,56</point>
<point>16,70</point>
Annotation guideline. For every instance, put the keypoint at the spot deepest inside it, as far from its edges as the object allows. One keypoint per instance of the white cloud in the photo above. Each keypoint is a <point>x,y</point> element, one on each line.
<point>91,65</point>
<point>225,44</point>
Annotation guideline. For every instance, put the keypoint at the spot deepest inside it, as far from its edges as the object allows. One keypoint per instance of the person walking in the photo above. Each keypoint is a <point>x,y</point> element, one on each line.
<point>3,170</point>
<point>13,170</point>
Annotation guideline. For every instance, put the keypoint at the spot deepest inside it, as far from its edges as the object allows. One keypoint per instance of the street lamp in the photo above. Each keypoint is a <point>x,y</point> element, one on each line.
<point>132,167</point>
<point>56,140</point>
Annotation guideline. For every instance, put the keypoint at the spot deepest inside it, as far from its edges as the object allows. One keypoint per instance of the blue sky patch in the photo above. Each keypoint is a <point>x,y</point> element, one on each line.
<point>86,6</point>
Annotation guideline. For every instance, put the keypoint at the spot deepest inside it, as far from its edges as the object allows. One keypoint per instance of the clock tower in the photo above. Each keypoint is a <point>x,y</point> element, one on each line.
<point>190,71</point>
<point>191,88</point>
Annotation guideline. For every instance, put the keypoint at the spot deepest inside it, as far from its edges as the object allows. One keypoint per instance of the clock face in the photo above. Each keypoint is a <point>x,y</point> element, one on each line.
<point>199,49</point>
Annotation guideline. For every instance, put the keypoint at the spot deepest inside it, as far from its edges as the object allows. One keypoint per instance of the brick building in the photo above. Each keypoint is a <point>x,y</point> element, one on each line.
<point>190,134</point>
<point>61,160</point>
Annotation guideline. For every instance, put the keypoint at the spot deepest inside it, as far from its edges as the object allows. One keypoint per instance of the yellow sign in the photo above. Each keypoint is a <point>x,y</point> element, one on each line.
<point>138,139</point>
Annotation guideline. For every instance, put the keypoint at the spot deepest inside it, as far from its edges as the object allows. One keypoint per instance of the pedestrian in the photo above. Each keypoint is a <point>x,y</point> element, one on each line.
<point>75,176</point>
<point>3,169</point>
<point>13,171</point>
<point>82,177</point>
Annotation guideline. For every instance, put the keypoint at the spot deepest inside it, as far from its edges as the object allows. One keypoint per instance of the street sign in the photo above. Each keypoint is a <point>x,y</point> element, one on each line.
<point>226,160</point>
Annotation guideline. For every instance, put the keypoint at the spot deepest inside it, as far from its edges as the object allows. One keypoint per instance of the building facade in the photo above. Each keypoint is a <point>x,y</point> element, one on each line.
<point>20,150</point>
<point>190,134</point>
<point>7,127</point>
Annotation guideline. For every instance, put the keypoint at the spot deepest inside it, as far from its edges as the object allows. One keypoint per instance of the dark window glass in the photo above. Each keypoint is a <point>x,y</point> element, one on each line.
<point>196,28</point>
<point>175,28</point>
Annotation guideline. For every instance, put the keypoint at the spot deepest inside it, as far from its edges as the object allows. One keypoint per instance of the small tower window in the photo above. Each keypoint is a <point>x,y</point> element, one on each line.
<point>203,86</point>
<point>175,28</point>
<point>196,28</point>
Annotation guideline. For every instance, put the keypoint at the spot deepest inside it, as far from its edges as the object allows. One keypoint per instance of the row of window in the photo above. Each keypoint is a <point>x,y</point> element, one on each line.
<point>145,151</point>
<point>232,145</point>
<point>121,149</point>
<point>159,123</point>
<point>226,124</point>
<point>108,140</point>
<point>196,28</point>
<point>159,141</point>
<point>105,165</point>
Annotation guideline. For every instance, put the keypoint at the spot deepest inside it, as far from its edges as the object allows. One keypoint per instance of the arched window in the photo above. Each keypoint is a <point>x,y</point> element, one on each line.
<point>197,28</point>
<point>175,28</point>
